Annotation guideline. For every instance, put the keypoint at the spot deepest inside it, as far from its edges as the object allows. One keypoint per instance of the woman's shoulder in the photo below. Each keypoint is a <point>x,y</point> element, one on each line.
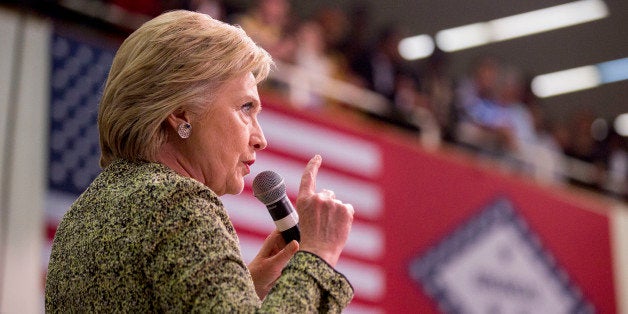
<point>152,185</point>
<point>153,176</point>
<point>150,192</point>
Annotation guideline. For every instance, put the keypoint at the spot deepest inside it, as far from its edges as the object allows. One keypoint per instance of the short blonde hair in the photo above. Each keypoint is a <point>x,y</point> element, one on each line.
<point>175,61</point>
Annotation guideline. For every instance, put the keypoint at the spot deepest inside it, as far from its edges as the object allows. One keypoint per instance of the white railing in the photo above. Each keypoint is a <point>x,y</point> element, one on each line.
<point>542,164</point>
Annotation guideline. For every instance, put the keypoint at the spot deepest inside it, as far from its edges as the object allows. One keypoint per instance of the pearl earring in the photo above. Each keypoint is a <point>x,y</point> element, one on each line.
<point>184,130</point>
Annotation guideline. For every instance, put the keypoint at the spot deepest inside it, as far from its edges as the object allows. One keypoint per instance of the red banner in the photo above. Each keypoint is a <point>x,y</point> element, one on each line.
<point>547,248</point>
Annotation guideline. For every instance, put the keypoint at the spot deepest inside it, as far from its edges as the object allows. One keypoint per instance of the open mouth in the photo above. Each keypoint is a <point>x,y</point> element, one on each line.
<point>248,165</point>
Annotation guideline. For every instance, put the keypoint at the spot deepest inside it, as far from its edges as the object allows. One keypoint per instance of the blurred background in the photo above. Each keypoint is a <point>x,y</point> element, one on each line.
<point>421,107</point>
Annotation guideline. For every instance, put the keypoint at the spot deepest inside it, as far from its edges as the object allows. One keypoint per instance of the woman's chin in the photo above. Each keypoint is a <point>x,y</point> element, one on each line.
<point>236,188</point>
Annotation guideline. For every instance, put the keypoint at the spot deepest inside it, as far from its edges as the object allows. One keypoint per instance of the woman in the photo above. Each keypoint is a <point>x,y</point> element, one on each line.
<point>178,128</point>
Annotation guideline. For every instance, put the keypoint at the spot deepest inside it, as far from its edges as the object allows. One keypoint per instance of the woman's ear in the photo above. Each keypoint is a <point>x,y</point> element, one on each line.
<point>179,121</point>
<point>177,118</point>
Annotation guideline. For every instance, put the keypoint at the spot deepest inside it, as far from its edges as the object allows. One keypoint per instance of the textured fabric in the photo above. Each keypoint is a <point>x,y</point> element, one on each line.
<point>142,238</point>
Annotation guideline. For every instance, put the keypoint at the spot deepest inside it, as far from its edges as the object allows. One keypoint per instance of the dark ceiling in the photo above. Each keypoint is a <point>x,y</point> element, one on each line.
<point>580,45</point>
<point>584,44</point>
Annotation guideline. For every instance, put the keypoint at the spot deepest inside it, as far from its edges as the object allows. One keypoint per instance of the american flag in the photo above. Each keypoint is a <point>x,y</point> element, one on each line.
<point>79,71</point>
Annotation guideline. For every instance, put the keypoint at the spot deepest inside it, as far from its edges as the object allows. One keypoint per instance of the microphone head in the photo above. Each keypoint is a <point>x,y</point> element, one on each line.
<point>268,187</point>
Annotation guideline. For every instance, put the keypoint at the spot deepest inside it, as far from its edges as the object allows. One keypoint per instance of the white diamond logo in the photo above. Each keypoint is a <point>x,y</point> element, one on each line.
<point>495,264</point>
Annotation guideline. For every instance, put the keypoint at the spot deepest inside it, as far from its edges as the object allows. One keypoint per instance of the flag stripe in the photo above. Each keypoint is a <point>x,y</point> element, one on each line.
<point>305,139</point>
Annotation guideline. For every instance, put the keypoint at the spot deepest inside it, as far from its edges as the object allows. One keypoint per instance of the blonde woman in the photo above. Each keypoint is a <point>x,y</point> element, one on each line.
<point>178,129</point>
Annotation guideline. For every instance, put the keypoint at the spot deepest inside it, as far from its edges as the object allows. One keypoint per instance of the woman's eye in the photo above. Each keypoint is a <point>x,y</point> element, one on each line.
<point>247,107</point>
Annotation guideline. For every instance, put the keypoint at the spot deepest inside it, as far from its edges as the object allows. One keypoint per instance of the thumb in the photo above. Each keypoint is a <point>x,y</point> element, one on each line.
<point>286,253</point>
<point>308,179</point>
<point>272,244</point>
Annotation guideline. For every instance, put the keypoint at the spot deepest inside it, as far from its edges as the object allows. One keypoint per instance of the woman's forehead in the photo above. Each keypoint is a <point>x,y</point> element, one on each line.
<point>241,86</point>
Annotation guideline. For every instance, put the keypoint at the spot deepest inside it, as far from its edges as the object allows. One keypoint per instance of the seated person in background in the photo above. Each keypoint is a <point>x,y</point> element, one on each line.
<point>483,125</point>
<point>266,23</point>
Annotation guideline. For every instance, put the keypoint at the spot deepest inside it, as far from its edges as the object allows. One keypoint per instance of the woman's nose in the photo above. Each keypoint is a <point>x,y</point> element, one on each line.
<point>257,138</point>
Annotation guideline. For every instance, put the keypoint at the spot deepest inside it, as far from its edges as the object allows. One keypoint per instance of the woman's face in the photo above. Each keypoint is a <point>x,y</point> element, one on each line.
<point>225,139</point>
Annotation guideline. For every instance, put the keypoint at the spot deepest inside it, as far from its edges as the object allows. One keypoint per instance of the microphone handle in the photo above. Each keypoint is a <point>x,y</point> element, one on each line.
<point>286,219</point>
<point>291,234</point>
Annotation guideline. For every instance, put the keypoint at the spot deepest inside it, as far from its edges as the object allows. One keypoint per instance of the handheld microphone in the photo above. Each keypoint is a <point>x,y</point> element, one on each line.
<point>270,189</point>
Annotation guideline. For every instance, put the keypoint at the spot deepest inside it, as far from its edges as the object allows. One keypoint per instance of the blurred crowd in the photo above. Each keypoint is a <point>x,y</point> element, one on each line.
<point>490,110</point>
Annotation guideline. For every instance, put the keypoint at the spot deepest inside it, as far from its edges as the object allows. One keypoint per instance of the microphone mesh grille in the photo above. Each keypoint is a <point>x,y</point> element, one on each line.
<point>268,187</point>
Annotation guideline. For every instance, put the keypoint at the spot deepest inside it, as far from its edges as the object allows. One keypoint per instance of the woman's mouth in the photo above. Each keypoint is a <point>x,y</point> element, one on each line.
<point>248,165</point>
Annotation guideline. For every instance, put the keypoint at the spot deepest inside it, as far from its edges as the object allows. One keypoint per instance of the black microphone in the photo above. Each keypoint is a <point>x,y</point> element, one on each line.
<point>270,189</point>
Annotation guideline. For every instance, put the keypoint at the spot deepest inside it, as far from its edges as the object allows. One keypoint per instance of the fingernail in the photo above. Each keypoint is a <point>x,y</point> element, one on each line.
<point>294,244</point>
<point>318,157</point>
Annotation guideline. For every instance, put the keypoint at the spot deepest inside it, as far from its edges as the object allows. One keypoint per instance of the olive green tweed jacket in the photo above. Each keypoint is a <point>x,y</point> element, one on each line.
<point>143,239</point>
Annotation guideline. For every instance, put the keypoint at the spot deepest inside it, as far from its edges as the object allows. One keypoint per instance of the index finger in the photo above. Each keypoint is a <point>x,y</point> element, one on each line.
<point>308,179</point>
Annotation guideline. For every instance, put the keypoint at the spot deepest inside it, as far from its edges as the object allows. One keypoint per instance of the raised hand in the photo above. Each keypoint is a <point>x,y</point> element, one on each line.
<point>324,221</point>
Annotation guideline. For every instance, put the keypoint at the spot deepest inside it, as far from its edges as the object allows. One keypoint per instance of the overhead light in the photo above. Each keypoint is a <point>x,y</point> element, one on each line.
<point>520,25</point>
<point>566,81</point>
<point>621,124</point>
<point>463,37</point>
<point>613,71</point>
<point>548,19</point>
<point>585,77</point>
<point>416,47</point>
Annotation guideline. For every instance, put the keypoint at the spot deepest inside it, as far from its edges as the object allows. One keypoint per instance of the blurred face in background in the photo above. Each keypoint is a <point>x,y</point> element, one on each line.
<point>274,11</point>
<point>485,76</point>
<point>311,37</point>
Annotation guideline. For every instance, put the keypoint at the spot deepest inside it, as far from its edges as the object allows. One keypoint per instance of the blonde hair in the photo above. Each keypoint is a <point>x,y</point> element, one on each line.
<point>175,61</point>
